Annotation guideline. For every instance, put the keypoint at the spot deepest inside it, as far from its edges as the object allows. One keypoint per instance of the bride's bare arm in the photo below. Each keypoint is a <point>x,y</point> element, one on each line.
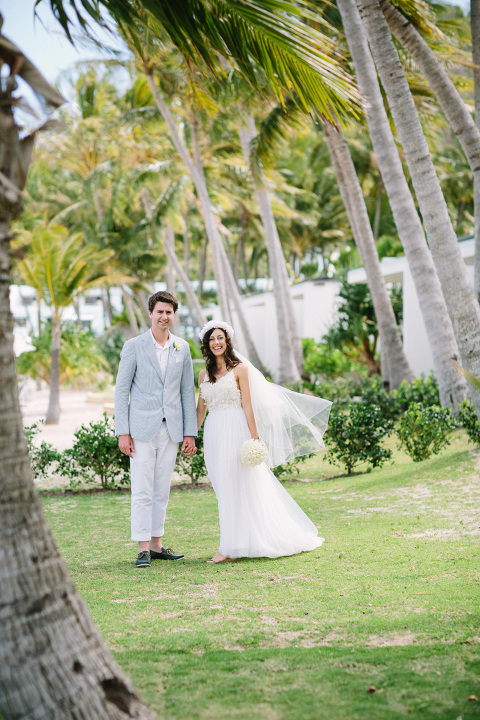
<point>241,373</point>
<point>201,407</point>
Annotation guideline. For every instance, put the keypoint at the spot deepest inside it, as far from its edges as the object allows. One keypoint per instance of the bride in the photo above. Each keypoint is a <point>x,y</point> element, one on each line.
<point>258,518</point>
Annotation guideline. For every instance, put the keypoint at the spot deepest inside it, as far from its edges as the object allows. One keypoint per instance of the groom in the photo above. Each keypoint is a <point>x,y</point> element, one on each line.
<point>154,411</point>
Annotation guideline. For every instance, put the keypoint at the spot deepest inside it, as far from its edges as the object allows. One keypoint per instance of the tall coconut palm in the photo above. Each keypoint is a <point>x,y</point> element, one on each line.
<point>398,367</point>
<point>287,331</point>
<point>449,99</point>
<point>437,322</point>
<point>60,267</point>
<point>462,305</point>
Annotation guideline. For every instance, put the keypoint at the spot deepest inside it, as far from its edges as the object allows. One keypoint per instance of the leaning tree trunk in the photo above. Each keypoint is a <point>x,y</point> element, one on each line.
<point>398,367</point>
<point>192,299</point>
<point>223,272</point>
<point>288,338</point>
<point>53,412</point>
<point>53,662</point>
<point>129,309</point>
<point>438,326</point>
<point>462,305</point>
<point>200,186</point>
<point>475,26</point>
<point>170,282</point>
<point>449,100</point>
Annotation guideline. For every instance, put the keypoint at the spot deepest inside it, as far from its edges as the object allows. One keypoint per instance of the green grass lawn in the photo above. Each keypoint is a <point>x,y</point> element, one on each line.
<point>391,600</point>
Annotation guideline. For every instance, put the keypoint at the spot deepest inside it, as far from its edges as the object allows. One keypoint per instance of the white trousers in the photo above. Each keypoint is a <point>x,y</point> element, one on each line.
<point>151,471</point>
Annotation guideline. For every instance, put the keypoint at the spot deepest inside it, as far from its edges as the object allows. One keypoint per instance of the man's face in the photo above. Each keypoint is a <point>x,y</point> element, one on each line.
<point>162,315</point>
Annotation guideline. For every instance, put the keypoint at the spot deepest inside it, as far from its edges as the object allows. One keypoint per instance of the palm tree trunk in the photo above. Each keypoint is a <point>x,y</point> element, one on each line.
<point>186,244</point>
<point>452,385</point>
<point>128,305</point>
<point>475,26</point>
<point>198,178</point>
<point>53,412</point>
<point>203,267</point>
<point>170,280</point>
<point>462,305</point>
<point>290,347</point>
<point>223,271</point>
<point>451,103</point>
<point>193,303</point>
<point>398,367</point>
<point>44,624</point>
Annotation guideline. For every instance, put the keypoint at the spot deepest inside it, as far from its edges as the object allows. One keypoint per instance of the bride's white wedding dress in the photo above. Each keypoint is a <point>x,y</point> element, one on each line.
<point>258,518</point>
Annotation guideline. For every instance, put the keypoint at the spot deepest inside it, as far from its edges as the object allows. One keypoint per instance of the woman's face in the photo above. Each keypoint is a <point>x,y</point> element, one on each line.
<point>217,342</point>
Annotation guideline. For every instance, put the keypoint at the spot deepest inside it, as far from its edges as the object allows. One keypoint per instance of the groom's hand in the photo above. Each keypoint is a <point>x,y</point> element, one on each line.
<point>188,446</point>
<point>125,443</point>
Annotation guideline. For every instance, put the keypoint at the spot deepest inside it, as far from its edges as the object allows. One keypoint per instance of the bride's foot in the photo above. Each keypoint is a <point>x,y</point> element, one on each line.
<point>219,558</point>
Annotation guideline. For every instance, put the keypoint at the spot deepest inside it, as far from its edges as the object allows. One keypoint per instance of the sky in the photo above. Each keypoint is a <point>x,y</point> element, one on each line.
<point>47,47</point>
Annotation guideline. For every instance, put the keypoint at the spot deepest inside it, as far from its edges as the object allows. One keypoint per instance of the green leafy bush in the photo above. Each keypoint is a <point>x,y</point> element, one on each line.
<point>194,466</point>
<point>111,344</point>
<point>290,469</point>
<point>324,361</point>
<point>373,393</point>
<point>95,456</point>
<point>41,456</point>
<point>422,390</point>
<point>469,421</point>
<point>424,431</point>
<point>355,437</point>
<point>341,392</point>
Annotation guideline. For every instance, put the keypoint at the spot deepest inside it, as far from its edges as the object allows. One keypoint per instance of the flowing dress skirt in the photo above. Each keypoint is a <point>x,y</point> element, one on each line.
<point>258,518</point>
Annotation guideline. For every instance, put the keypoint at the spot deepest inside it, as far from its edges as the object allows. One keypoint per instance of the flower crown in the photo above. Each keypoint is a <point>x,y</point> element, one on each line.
<point>216,324</point>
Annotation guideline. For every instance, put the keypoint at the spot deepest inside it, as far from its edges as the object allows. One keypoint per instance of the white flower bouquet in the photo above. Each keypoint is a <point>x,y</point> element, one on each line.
<point>253,452</point>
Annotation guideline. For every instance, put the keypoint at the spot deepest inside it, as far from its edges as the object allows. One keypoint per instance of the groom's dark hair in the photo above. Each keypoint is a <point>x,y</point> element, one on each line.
<point>162,296</point>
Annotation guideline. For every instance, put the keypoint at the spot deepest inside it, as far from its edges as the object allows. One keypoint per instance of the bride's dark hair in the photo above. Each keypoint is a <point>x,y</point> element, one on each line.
<point>231,359</point>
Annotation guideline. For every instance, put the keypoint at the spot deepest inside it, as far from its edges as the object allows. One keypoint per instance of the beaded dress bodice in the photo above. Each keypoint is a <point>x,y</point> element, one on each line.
<point>222,394</point>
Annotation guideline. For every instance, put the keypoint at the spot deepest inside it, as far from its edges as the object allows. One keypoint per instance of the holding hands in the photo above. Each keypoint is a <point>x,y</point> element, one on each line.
<point>188,446</point>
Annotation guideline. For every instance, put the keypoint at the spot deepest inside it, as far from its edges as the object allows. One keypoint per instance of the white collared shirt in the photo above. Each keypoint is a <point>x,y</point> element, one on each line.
<point>162,353</point>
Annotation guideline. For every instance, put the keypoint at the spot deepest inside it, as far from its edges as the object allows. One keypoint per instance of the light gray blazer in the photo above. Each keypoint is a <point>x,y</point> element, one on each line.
<point>143,399</point>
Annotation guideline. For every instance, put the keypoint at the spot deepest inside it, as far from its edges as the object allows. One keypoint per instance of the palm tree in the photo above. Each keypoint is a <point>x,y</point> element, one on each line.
<point>449,99</point>
<point>459,296</point>
<point>290,361</point>
<point>398,367</point>
<point>437,322</point>
<point>60,267</point>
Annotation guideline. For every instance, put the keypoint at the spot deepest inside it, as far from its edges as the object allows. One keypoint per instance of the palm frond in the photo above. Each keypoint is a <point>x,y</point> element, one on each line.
<point>272,34</point>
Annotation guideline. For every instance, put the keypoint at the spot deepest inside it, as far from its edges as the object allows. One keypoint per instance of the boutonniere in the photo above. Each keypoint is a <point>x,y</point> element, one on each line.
<point>176,346</point>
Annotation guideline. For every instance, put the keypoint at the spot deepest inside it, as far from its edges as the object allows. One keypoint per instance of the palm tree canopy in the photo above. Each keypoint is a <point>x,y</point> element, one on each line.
<point>272,34</point>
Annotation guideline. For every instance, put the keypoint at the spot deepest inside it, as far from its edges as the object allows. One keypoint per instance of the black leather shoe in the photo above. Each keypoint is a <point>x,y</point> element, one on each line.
<point>143,559</point>
<point>166,554</point>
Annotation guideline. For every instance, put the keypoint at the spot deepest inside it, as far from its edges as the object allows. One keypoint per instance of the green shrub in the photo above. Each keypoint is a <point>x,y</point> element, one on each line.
<point>290,469</point>
<point>373,393</point>
<point>194,466</point>
<point>424,431</point>
<point>42,456</point>
<point>469,421</point>
<point>341,391</point>
<point>95,456</point>
<point>111,344</point>
<point>355,437</point>
<point>323,361</point>
<point>422,390</point>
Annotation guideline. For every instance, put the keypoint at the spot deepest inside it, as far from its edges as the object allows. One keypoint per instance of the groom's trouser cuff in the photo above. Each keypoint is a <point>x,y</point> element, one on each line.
<point>151,471</point>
